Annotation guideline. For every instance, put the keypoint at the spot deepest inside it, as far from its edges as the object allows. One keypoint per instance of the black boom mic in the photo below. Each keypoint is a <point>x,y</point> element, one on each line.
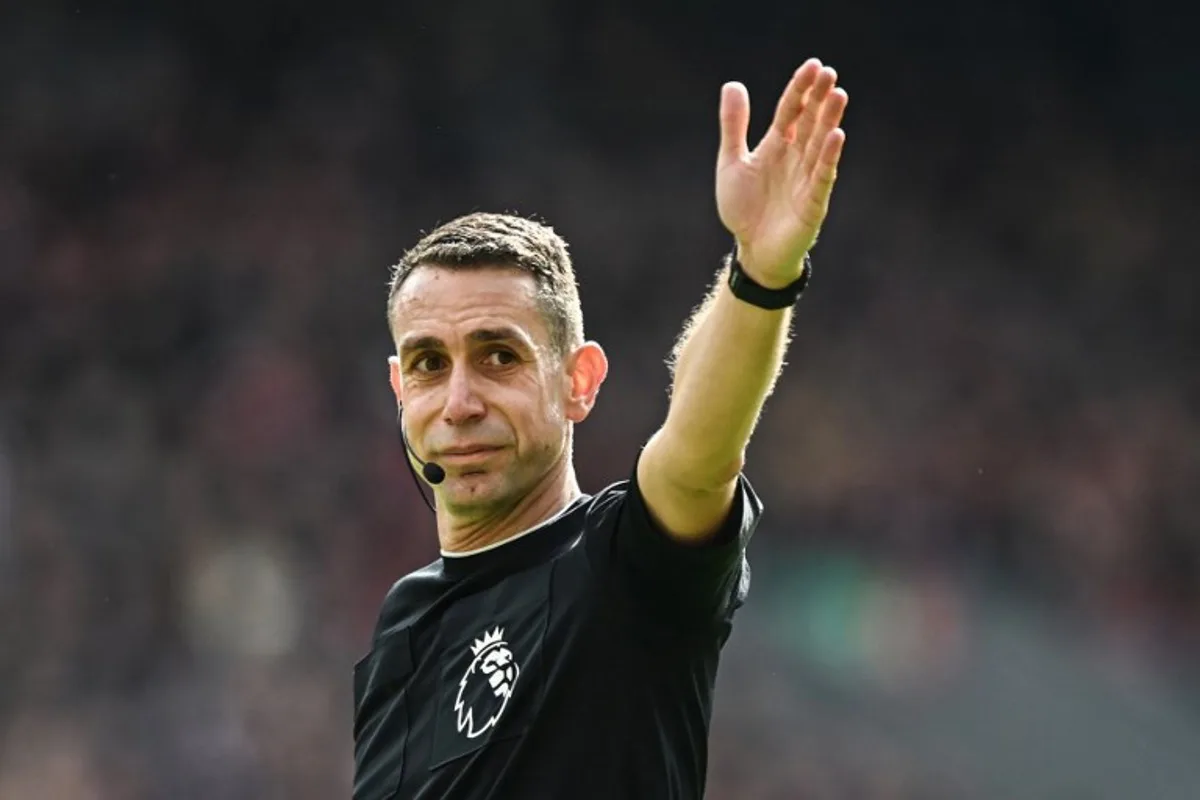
<point>432,472</point>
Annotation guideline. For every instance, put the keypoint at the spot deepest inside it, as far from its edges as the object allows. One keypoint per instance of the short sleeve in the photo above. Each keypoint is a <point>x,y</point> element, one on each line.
<point>692,585</point>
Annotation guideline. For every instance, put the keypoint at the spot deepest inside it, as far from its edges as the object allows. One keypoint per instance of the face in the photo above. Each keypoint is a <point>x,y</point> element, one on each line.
<point>484,393</point>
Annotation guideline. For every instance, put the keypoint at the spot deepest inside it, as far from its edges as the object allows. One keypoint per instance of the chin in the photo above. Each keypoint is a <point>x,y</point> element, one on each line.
<point>475,489</point>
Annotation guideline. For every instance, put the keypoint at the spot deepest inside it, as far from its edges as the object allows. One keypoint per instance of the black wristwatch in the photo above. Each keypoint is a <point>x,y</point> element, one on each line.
<point>746,288</point>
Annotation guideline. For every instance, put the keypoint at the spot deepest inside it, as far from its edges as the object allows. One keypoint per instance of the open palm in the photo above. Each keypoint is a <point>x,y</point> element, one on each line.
<point>774,199</point>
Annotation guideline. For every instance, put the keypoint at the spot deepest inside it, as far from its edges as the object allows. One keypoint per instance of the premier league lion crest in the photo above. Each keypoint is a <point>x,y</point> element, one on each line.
<point>485,689</point>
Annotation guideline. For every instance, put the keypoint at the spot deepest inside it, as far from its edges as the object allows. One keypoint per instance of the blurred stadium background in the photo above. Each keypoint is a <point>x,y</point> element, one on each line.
<point>979,576</point>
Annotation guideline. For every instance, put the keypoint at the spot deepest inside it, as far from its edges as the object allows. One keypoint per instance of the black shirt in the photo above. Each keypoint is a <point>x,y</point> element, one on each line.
<point>576,661</point>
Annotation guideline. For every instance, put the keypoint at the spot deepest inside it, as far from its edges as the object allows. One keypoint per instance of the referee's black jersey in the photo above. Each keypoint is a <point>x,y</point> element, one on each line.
<point>575,661</point>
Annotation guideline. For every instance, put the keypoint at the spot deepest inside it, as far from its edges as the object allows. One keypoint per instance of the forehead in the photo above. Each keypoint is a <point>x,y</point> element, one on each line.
<point>450,303</point>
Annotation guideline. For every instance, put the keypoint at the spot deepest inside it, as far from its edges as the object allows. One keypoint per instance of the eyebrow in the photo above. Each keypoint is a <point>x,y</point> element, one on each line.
<point>479,335</point>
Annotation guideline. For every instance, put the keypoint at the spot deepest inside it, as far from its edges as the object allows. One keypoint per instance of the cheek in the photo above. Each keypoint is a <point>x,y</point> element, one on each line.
<point>542,408</point>
<point>554,412</point>
<point>538,418</point>
<point>542,426</point>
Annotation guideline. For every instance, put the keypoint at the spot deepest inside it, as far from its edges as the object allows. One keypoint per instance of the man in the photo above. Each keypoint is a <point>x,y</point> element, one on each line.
<point>566,645</point>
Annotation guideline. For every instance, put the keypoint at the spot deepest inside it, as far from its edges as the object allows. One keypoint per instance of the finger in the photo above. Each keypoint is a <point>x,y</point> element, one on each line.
<point>831,156</point>
<point>813,101</point>
<point>735,122</point>
<point>792,101</point>
<point>824,177</point>
<point>828,118</point>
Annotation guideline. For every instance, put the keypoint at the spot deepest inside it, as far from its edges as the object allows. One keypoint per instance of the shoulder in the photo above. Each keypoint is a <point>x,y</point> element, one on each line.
<point>621,504</point>
<point>605,512</point>
<point>604,507</point>
<point>408,597</point>
<point>679,583</point>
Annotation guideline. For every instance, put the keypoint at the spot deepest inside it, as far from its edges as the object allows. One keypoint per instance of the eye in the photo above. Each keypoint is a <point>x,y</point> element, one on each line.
<point>501,358</point>
<point>429,363</point>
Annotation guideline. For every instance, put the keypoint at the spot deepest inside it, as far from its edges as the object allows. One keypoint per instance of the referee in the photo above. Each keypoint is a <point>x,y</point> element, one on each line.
<point>565,645</point>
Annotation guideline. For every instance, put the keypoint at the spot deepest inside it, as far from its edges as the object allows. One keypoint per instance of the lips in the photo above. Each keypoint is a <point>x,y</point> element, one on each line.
<point>472,450</point>
<point>466,456</point>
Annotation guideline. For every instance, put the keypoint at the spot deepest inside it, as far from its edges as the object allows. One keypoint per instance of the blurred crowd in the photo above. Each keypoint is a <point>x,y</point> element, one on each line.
<point>202,496</point>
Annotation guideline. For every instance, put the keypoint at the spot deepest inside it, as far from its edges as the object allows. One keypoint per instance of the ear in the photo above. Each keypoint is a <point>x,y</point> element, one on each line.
<point>397,384</point>
<point>586,370</point>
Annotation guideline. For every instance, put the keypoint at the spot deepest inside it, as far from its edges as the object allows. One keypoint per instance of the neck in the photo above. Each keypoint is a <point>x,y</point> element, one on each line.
<point>551,495</point>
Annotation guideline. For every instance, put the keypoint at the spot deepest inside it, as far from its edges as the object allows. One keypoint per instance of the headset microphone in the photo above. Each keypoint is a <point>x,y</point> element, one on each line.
<point>432,472</point>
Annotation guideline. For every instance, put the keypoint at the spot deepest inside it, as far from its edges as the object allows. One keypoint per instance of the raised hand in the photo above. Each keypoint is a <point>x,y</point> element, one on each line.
<point>774,199</point>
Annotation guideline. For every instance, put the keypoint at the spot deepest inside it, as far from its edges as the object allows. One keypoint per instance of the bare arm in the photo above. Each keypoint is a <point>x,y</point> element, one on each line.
<point>774,201</point>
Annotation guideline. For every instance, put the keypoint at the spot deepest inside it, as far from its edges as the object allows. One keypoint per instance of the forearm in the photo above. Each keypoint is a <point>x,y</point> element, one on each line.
<point>725,366</point>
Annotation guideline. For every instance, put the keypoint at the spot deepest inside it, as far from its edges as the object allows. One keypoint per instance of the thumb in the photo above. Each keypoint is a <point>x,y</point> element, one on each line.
<point>735,122</point>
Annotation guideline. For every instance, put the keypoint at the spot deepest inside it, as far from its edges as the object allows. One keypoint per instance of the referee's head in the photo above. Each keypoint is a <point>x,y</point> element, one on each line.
<point>491,367</point>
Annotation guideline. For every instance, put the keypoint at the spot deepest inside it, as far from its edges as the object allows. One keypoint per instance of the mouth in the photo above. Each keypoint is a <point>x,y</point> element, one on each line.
<point>460,455</point>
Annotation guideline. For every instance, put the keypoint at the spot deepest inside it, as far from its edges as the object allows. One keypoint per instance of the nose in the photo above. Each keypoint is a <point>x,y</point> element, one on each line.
<point>463,403</point>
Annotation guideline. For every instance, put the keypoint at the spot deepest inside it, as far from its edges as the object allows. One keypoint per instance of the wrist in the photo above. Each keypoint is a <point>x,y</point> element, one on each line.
<point>771,296</point>
<point>769,279</point>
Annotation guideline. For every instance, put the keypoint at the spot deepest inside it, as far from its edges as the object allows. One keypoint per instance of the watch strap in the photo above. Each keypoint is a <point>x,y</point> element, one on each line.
<point>747,289</point>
